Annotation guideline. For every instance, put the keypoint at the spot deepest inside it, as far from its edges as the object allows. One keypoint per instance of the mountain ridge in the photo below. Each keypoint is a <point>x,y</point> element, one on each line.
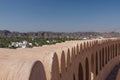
<point>49,34</point>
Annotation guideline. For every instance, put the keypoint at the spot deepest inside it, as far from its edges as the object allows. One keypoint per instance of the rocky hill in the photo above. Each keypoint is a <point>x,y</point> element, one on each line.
<point>6,33</point>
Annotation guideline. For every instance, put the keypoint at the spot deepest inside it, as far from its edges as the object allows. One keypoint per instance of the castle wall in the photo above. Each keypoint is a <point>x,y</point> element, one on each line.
<point>71,60</point>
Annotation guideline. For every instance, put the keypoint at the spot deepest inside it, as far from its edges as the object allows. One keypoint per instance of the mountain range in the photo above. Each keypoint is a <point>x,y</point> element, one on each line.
<point>42,34</point>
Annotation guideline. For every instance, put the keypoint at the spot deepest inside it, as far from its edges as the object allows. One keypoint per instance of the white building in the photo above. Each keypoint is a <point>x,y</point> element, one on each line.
<point>23,44</point>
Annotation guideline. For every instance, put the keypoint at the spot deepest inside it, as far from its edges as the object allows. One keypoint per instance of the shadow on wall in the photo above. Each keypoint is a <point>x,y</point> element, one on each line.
<point>37,72</point>
<point>80,72</point>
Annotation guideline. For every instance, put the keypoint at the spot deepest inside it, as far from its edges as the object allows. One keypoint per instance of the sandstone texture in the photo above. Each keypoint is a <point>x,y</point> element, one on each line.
<point>71,60</point>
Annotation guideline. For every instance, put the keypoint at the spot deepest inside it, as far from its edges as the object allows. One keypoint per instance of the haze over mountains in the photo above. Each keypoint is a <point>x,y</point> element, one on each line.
<point>42,34</point>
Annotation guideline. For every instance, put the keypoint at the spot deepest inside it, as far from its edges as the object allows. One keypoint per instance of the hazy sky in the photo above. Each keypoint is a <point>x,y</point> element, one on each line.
<point>60,15</point>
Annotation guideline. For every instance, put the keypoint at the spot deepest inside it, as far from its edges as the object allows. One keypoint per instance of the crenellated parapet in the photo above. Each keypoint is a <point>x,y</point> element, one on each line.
<point>71,60</point>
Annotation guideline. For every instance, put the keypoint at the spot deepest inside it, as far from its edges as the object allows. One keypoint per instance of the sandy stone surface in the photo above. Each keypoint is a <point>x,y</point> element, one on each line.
<point>60,61</point>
